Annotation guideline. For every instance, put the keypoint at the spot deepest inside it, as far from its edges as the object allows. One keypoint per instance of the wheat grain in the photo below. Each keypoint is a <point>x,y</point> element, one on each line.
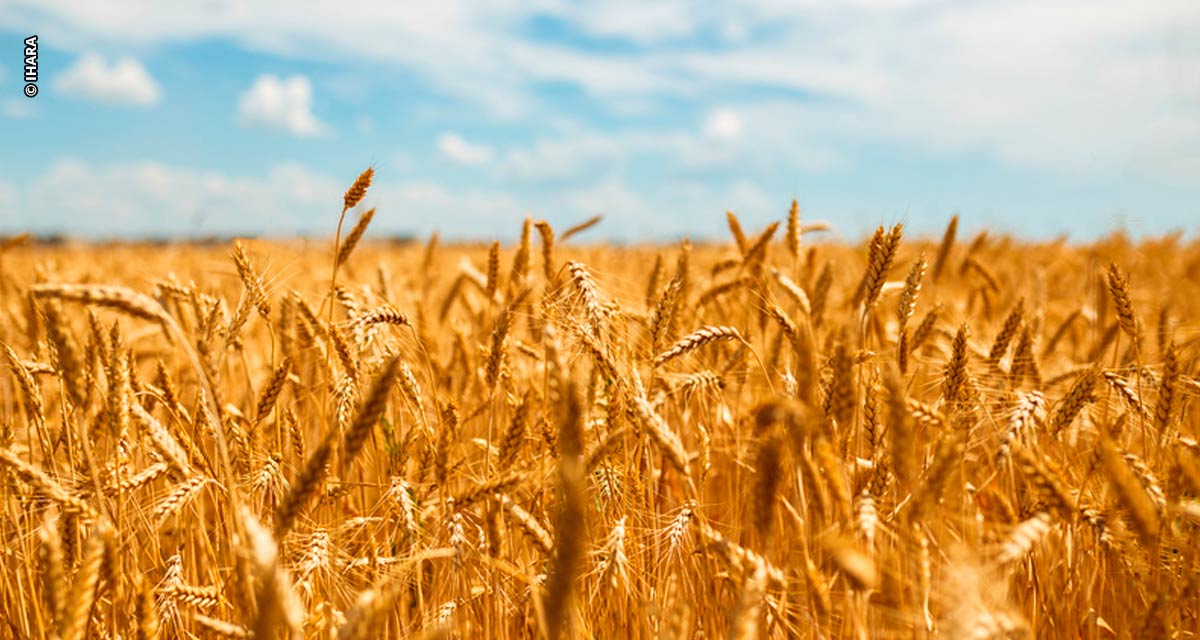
<point>119,298</point>
<point>83,595</point>
<point>1130,493</point>
<point>1168,393</point>
<point>369,413</point>
<point>355,235</point>
<point>358,190</point>
<point>39,480</point>
<point>943,254</point>
<point>1118,288</point>
<point>697,339</point>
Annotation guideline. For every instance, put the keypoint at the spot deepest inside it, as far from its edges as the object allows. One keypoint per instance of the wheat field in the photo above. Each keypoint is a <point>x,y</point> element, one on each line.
<point>777,436</point>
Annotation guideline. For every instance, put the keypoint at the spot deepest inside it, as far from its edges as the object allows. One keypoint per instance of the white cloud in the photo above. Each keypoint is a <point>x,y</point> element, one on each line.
<point>1071,86</point>
<point>642,22</point>
<point>723,124</point>
<point>124,81</point>
<point>280,103</point>
<point>78,197</point>
<point>456,148</point>
<point>566,157</point>
<point>732,142</point>
<point>160,199</point>
<point>150,197</point>
<point>1064,86</point>
<point>426,205</point>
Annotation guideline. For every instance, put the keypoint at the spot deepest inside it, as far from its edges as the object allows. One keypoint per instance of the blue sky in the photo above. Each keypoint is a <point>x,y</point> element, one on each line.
<point>1040,118</point>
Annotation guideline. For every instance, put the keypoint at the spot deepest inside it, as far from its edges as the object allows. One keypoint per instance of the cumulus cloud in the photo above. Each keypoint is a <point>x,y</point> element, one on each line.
<point>124,81</point>
<point>723,124</point>
<point>454,147</point>
<point>283,104</point>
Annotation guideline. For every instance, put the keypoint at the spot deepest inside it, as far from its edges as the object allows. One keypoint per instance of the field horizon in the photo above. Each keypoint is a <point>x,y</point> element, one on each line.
<point>828,235</point>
